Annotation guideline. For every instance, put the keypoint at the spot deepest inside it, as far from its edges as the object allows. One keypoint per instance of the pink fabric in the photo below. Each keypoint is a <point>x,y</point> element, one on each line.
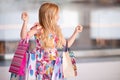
<point>19,60</point>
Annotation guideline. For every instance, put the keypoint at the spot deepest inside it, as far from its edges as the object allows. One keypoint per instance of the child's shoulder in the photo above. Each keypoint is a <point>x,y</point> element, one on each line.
<point>36,26</point>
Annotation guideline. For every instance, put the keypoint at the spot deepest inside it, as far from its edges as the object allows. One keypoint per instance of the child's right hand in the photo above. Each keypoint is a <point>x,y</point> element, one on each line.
<point>24,16</point>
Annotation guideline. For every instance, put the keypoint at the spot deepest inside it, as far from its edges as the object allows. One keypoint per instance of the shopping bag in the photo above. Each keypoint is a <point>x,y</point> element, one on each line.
<point>69,69</point>
<point>18,63</point>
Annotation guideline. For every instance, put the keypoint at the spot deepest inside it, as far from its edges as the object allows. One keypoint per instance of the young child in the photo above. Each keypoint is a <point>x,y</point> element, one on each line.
<point>48,38</point>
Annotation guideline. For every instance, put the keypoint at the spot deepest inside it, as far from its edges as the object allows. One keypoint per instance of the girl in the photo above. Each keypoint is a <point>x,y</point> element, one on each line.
<point>48,38</point>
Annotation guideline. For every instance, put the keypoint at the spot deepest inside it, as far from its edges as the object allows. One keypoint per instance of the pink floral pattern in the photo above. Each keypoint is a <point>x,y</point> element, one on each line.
<point>46,61</point>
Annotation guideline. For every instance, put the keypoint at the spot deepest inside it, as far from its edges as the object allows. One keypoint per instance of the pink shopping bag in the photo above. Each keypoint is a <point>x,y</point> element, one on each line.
<point>19,60</point>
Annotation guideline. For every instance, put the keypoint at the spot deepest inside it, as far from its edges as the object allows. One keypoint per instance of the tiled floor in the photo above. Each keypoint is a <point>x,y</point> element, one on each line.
<point>104,68</point>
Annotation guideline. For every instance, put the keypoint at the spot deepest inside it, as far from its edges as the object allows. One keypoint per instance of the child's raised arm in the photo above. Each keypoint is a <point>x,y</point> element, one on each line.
<point>78,29</point>
<point>36,28</point>
<point>24,17</point>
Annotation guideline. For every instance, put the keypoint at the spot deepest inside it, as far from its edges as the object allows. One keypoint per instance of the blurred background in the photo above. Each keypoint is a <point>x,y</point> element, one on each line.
<point>97,48</point>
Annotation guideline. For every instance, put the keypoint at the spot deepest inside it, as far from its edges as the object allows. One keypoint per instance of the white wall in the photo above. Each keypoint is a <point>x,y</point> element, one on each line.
<point>105,23</point>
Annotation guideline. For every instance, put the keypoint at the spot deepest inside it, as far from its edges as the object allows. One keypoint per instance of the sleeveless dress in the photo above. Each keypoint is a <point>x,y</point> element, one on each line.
<point>48,63</point>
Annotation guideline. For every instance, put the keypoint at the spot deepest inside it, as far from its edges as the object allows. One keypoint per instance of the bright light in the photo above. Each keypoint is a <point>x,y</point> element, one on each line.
<point>69,18</point>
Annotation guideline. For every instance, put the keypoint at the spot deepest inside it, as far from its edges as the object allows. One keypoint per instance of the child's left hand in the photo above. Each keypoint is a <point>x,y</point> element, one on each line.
<point>78,29</point>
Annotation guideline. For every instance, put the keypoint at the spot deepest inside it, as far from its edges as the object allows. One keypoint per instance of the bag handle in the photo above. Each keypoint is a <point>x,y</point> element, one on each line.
<point>66,46</point>
<point>26,40</point>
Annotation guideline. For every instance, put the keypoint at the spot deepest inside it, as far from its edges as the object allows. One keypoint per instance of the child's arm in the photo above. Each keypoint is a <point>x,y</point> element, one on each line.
<point>24,17</point>
<point>24,31</point>
<point>73,37</point>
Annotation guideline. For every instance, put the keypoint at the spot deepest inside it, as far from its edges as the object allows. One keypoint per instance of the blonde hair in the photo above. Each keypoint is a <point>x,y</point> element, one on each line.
<point>47,14</point>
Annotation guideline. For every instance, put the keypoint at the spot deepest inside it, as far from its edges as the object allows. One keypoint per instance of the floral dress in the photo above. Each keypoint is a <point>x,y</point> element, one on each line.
<point>48,62</point>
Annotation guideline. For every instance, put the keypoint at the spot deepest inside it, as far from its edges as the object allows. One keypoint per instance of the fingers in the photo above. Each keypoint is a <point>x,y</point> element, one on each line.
<point>79,28</point>
<point>39,26</point>
<point>24,16</point>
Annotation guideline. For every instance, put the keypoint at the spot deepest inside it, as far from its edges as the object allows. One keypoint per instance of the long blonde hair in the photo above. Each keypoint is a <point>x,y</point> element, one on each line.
<point>47,14</point>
